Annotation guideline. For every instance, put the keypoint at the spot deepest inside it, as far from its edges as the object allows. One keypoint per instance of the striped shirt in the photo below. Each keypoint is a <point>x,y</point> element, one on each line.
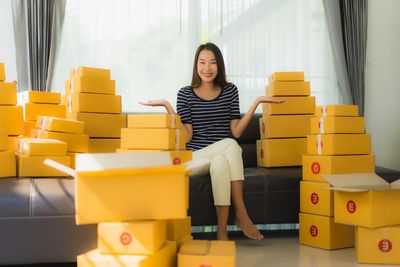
<point>210,119</point>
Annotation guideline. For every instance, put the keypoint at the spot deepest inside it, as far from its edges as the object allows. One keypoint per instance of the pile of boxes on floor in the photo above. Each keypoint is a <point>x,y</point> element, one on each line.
<point>284,127</point>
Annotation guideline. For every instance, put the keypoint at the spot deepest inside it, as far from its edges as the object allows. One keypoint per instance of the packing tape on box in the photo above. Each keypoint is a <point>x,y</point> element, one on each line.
<point>324,110</point>
<point>321,125</point>
<point>72,84</point>
<point>69,103</point>
<point>173,121</point>
<point>20,146</point>
<point>319,144</point>
<point>177,139</point>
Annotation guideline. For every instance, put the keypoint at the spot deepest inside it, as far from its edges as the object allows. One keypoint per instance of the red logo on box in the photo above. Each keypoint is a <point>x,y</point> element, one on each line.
<point>351,206</point>
<point>262,153</point>
<point>385,245</point>
<point>263,127</point>
<point>205,265</point>
<point>176,161</point>
<point>313,230</point>
<point>314,198</point>
<point>315,167</point>
<point>125,238</point>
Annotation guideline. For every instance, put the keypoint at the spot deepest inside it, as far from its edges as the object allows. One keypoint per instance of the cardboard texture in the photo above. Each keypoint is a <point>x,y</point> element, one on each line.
<point>158,138</point>
<point>179,228</point>
<point>154,121</point>
<point>75,142</point>
<point>3,139</point>
<point>109,127</point>
<point>131,238</point>
<point>28,126</point>
<point>280,152</point>
<point>337,125</point>
<point>33,166</point>
<point>41,147</point>
<point>293,105</point>
<point>365,199</point>
<point>288,89</point>
<point>90,84</point>
<point>2,72</point>
<point>8,164</point>
<point>95,103</point>
<point>322,232</point>
<point>11,118</point>
<point>339,144</point>
<point>39,97</point>
<point>284,126</point>
<point>315,166</point>
<point>60,125</point>
<point>287,76</point>
<point>177,156</point>
<point>337,110</point>
<point>314,199</point>
<point>13,142</point>
<point>34,110</point>
<point>90,71</point>
<point>102,145</point>
<point>8,93</point>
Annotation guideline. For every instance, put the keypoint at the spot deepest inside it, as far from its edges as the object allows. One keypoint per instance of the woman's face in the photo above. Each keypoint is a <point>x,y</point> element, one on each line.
<point>207,66</point>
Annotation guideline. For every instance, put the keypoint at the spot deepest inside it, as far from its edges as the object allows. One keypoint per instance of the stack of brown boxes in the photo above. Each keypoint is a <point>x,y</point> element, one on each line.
<point>11,115</point>
<point>284,127</point>
<point>7,157</point>
<point>337,144</point>
<point>90,95</point>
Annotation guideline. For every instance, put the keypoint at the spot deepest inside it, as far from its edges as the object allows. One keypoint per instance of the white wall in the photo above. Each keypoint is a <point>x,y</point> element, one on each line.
<point>382,94</point>
<point>7,44</point>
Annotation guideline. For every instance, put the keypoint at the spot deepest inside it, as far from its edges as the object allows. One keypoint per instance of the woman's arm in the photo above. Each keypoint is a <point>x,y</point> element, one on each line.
<point>238,126</point>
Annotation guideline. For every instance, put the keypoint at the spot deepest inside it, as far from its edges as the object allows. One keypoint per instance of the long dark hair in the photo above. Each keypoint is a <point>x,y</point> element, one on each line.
<point>221,76</point>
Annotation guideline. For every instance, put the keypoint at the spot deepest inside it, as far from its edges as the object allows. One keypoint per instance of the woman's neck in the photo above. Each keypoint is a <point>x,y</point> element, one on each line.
<point>208,86</point>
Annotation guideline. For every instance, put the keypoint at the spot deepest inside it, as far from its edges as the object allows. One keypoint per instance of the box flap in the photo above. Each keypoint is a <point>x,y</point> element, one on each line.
<point>395,184</point>
<point>357,182</point>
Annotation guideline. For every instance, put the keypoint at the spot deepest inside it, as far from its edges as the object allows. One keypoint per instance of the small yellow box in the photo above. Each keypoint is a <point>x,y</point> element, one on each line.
<point>41,147</point>
<point>33,166</point>
<point>28,126</point>
<point>154,121</point>
<point>179,228</point>
<point>8,165</point>
<point>365,200</point>
<point>338,144</point>
<point>39,97</point>
<point>101,125</point>
<point>60,125</point>
<point>8,93</point>
<point>165,257</point>
<point>288,89</point>
<point>72,156</point>
<point>2,72</point>
<point>90,84</point>
<point>337,125</point>
<point>322,232</point>
<point>130,238</point>
<point>3,139</point>
<point>90,71</point>
<point>13,142</point>
<point>96,103</point>
<point>102,145</point>
<point>34,110</point>
<point>314,199</point>
<point>75,142</point>
<point>337,110</point>
<point>292,105</point>
<point>177,156</point>
<point>379,245</point>
<point>156,138</point>
<point>284,126</point>
<point>182,240</point>
<point>11,118</point>
<point>287,76</point>
<point>195,253</point>
<point>315,166</point>
<point>280,152</point>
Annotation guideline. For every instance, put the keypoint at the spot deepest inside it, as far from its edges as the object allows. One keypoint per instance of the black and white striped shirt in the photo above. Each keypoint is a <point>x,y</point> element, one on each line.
<point>210,119</point>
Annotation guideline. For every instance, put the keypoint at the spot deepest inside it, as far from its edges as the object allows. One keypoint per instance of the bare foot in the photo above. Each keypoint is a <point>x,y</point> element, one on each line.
<point>248,228</point>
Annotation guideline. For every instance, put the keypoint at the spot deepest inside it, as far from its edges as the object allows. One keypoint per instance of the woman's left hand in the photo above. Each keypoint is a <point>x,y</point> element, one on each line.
<point>265,99</point>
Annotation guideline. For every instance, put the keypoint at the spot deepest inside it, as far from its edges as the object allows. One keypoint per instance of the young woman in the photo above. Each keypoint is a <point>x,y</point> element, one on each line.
<point>209,111</point>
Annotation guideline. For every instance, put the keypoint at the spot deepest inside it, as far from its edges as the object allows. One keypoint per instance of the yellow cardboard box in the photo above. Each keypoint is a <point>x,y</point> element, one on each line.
<point>101,125</point>
<point>315,166</point>
<point>34,110</point>
<point>96,103</point>
<point>195,253</point>
<point>72,157</point>
<point>60,125</point>
<point>13,142</point>
<point>280,152</point>
<point>154,121</point>
<point>75,142</point>
<point>292,105</point>
<point>28,126</point>
<point>11,118</point>
<point>337,110</point>
<point>166,256</point>
<point>284,126</point>
<point>314,199</point>
<point>102,145</point>
<point>337,125</point>
<point>338,144</point>
<point>379,245</point>
<point>322,232</point>
<point>33,166</point>
<point>177,156</point>
<point>153,138</point>
<point>2,72</point>
<point>3,139</point>
<point>8,93</point>
<point>41,147</point>
<point>179,228</point>
<point>90,84</point>
<point>8,165</point>
<point>130,238</point>
<point>90,71</point>
<point>287,76</point>
<point>365,200</point>
<point>39,97</point>
<point>288,89</point>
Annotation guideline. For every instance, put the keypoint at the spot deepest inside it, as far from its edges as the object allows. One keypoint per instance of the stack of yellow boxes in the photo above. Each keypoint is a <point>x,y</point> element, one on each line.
<point>90,95</point>
<point>337,144</point>
<point>11,115</point>
<point>7,157</point>
<point>284,127</point>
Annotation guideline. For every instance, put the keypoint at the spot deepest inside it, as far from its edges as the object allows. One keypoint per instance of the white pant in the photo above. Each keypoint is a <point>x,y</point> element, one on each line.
<point>226,166</point>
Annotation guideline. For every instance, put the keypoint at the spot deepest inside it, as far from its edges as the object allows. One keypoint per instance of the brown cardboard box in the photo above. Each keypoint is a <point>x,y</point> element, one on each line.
<point>34,110</point>
<point>11,118</point>
<point>8,93</point>
<point>96,103</point>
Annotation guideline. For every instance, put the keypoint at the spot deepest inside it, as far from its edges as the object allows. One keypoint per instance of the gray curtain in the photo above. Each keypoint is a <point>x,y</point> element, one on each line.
<point>37,31</point>
<point>347,24</point>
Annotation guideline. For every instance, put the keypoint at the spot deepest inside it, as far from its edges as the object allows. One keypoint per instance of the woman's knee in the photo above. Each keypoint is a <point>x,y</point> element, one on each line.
<point>232,144</point>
